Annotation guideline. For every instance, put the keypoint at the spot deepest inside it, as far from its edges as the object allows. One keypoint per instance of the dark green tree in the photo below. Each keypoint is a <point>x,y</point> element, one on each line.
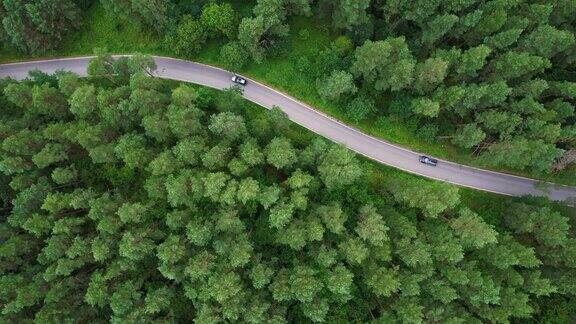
<point>35,27</point>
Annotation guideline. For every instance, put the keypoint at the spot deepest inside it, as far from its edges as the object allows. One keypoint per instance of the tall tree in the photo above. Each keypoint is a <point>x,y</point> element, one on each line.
<point>219,18</point>
<point>280,153</point>
<point>337,85</point>
<point>348,15</point>
<point>189,37</point>
<point>469,136</point>
<point>35,27</point>
<point>522,153</point>
<point>431,197</point>
<point>339,167</point>
<point>386,65</point>
<point>151,13</point>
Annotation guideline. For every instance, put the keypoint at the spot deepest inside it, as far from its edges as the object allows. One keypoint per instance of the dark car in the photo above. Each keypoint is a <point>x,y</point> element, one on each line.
<point>427,160</point>
<point>239,80</point>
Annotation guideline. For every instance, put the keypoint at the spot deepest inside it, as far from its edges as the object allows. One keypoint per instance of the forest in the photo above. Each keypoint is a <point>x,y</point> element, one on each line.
<point>494,79</point>
<point>128,198</point>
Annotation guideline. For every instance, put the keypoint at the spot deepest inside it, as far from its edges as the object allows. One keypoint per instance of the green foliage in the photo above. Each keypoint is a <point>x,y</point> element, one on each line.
<point>429,74</point>
<point>151,13</point>
<point>431,197</point>
<point>383,282</point>
<point>280,153</point>
<point>338,167</point>
<point>449,63</point>
<point>360,108</point>
<point>337,85</point>
<point>353,250</point>
<point>437,28</point>
<point>548,227</point>
<point>472,61</point>
<point>227,125</point>
<point>425,107</point>
<point>131,213</point>
<point>387,65</point>
<point>83,101</point>
<point>131,149</point>
<point>50,154</point>
<point>458,50</point>
<point>333,217</point>
<point>250,32</point>
<point>469,136</point>
<point>522,153</point>
<point>189,37</point>
<point>281,214</point>
<point>471,230</point>
<point>219,18</point>
<point>547,41</point>
<point>503,39</point>
<point>34,27</point>
<point>371,227</point>
<point>513,65</point>
<point>19,94</point>
<point>134,203</point>
<point>260,33</point>
<point>234,56</point>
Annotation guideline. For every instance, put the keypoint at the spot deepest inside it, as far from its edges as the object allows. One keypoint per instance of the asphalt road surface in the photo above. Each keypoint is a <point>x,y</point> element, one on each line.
<point>324,125</point>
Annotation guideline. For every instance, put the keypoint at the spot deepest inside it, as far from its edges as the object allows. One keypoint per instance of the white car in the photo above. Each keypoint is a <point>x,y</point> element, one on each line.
<point>239,80</point>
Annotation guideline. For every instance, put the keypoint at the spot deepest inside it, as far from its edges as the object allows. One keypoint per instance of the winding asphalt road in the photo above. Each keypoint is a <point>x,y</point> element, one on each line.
<point>324,125</point>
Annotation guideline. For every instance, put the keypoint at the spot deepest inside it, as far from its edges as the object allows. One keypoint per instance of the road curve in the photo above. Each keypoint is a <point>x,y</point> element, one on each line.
<point>324,125</point>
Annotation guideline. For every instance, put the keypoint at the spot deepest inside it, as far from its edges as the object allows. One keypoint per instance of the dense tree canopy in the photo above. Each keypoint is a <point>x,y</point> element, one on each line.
<point>129,199</point>
<point>35,27</point>
<point>479,72</point>
<point>156,14</point>
<point>126,198</point>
